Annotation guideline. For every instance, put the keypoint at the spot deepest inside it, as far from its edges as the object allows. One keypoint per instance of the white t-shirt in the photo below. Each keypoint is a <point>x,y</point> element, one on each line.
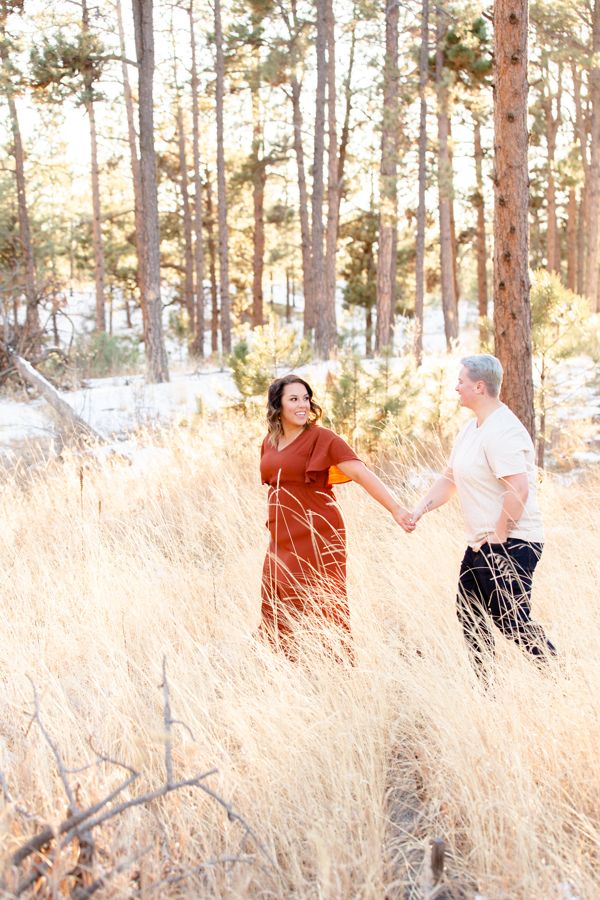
<point>501,446</point>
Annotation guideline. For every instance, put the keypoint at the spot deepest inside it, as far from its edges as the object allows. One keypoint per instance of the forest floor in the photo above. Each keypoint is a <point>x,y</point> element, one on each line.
<point>105,571</point>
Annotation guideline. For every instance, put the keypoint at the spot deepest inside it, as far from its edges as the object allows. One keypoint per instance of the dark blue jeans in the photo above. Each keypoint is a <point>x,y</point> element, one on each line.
<point>495,586</point>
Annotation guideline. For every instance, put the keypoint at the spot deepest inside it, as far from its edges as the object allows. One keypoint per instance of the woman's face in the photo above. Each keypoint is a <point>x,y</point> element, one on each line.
<point>295,405</point>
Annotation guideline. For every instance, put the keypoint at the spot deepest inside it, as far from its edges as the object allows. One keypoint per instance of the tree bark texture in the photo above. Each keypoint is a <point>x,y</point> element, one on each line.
<point>512,309</point>
<point>479,202</point>
<point>581,240</point>
<point>333,180</point>
<point>156,354</point>
<point>96,212</point>
<point>553,123</point>
<point>444,189</point>
<point>453,240</point>
<point>135,168</point>
<point>323,338</point>
<point>222,190</point>
<point>305,235</point>
<point>31,340</point>
<point>198,342</point>
<point>97,224</point>
<point>259,180</point>
<point>388,185</point>
<point>347,112</point>
<point>581,135</point>
<point>212,262</point>
<point>593,192</point>
<point>420,244</point>
<point>187,224</point>
<point>572,239</point>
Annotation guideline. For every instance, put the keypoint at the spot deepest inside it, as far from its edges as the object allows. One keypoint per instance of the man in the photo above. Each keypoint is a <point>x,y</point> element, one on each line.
<point>492,469</point>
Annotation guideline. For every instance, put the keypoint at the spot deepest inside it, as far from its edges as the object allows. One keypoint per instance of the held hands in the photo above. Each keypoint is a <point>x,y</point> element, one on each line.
<point>403,518</point>
<point>415,516</point>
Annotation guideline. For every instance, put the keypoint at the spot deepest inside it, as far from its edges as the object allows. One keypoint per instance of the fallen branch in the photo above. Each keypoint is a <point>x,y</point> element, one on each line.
<point>80,823</point>
<point>51,396</point>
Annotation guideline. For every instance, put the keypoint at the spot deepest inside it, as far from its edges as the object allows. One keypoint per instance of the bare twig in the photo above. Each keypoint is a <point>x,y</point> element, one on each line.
<point>54,748</point>
<point>47,833</point>
<point>236,817</point>
<point>101,881</point>
<point>136,801</point>
<point>80,823</point>
<point>9,799</point>
<point>168,722</point>
<point>39,870</point>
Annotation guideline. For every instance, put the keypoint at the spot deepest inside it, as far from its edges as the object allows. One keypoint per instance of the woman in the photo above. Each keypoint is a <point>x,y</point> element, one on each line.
<point>304,574</point>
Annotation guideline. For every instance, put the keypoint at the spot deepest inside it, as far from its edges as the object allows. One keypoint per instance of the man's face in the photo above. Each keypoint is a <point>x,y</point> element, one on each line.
<point>468,391</point>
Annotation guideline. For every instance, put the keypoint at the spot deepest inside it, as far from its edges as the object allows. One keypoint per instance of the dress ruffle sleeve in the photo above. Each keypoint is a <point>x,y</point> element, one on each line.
<point>328,452</point>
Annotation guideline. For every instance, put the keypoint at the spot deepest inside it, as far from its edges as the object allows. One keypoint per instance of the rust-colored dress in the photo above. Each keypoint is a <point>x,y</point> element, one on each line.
<point>304,574</point>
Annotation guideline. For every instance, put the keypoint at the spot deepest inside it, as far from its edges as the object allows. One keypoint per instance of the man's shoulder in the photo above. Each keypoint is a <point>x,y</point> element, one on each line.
<point>504,422</point>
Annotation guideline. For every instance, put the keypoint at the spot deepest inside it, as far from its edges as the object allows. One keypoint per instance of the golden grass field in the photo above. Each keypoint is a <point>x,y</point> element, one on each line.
<point>104,576</point>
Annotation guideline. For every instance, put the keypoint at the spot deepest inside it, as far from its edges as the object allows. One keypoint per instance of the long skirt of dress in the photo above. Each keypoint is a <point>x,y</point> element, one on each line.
<point>304,573</point>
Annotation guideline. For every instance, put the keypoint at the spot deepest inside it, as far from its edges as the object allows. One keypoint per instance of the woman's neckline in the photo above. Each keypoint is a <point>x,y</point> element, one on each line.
<point>298,436</point>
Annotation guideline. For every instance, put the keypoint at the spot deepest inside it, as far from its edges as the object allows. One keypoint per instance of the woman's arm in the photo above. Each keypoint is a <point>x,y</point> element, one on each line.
<point>515,498</point>
<point>439,493</point>
<point>358,472</point>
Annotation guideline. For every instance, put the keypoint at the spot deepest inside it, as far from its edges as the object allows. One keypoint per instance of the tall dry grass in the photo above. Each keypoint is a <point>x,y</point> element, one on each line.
<point>102,577</point>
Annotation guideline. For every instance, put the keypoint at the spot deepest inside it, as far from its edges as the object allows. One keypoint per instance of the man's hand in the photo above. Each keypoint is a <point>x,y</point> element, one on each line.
<point>417,512</point>
<point>403,518</point>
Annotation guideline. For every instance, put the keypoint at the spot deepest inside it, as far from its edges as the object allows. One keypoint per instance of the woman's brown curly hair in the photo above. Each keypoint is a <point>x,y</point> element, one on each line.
<point>274,426</point>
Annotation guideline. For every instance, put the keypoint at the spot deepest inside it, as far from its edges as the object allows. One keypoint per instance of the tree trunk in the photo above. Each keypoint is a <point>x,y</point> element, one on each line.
<point>333,180</point>
<point>156,354</point>
<point>581,238</point>
<point>420,243</point>
<point>593,193</point>
<point>553,123</point>
<point>512,309</point>
<point>305,236</point>
<point>572,239</point>
<point>32,336</point>
<point>581,135</point>
<point>259,179</point>
<point>96,212</point>
<point>212,256</point>
<point>388,190</point>
<point>97,224</point>
<point>453,240</point>
<point>135,169</point>
<point>482,293</point>
<point>187,224</point>
<point>288,309</point>
<point>198,343</point>
<point>222,190</point>
<point>446,264</point>
<point>369,332</point>
<point>323,338</point>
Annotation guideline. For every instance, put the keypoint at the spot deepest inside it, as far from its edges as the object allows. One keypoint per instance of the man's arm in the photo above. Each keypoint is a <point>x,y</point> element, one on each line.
<point>515,498</point>
<point>439,493</point>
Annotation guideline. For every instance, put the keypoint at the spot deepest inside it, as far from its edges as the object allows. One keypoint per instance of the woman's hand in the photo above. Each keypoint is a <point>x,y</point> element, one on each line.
<point>403,518</point>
